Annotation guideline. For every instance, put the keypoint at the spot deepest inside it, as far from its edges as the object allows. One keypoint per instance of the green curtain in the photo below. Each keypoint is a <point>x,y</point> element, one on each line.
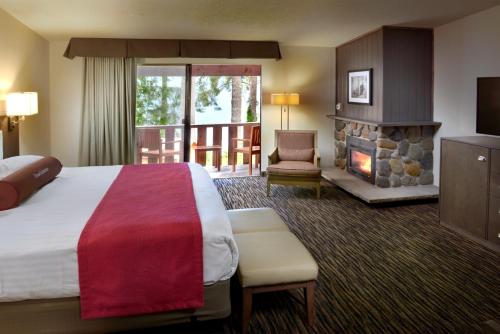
<point>108,114</point>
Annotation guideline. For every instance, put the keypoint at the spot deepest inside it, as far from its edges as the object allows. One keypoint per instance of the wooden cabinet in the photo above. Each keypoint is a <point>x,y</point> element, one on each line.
<point>470,187</point>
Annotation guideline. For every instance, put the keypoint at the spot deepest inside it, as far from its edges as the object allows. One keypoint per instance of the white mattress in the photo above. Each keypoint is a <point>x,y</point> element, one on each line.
<point>38,240</point>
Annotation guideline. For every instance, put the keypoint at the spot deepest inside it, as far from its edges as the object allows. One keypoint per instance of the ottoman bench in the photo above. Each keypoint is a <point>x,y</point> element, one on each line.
<point>274,261</point>
<point>255,220</point>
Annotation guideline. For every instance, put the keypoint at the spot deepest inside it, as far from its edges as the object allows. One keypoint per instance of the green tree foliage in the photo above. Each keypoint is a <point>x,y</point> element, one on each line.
<point>209,88</point>
<point>157,103</point>
<point>251,117</point>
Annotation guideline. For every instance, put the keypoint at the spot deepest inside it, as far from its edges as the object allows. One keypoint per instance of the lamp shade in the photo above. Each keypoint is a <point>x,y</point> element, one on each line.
<point>22,104</point>
<point>293,99</point>
<point>278,99</point>
<point>285,99</point>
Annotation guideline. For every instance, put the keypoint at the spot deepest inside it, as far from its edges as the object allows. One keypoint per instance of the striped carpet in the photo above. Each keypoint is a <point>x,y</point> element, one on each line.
<point>382,269</point>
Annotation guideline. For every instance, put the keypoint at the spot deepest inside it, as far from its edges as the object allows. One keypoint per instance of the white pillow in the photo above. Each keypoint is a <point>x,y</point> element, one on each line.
<point>10,165</point>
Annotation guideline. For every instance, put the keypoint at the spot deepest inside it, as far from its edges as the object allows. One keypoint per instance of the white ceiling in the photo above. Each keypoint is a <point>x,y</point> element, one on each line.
<point>290,22</point>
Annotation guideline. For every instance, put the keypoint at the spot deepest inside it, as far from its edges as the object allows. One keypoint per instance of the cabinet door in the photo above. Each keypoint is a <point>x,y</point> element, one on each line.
<point>464,187</point>
<point>494,222</point>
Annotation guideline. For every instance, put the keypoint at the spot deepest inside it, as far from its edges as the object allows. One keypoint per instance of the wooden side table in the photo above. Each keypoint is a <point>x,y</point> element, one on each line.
<point>216,149</point>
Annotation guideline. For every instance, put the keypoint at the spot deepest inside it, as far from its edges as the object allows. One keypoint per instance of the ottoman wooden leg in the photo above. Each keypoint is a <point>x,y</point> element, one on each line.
<point>309,299</point>
<point>268,188</point>
<point>247,309</point>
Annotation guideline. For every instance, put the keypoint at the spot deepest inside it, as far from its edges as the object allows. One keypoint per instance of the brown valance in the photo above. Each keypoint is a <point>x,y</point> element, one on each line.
<point>170,48</point>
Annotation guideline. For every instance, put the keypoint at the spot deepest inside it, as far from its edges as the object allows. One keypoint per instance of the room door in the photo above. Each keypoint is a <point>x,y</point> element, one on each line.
<point>162,120</point>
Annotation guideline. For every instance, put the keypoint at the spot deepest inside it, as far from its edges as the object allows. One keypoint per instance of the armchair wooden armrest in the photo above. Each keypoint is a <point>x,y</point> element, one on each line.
<point>236,140</point>
<point>317,158</point>
<point>273,157</point>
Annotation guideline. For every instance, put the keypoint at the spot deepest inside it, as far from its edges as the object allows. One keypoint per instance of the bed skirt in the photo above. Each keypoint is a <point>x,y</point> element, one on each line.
<point>62,315</point>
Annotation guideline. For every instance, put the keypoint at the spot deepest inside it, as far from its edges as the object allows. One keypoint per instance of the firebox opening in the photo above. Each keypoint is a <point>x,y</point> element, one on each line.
<point>361,158</point>
<point>362,162</point>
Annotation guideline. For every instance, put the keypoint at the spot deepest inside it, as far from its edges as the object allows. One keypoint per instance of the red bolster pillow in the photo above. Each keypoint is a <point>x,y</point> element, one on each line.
<point>19,185</point>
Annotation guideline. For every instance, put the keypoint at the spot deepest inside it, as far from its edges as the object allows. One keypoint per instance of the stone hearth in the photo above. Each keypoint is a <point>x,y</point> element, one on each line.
<point>404,153</point>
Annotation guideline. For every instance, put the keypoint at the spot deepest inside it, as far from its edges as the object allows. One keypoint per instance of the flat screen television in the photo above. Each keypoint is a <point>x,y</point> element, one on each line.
<point>488,106</point>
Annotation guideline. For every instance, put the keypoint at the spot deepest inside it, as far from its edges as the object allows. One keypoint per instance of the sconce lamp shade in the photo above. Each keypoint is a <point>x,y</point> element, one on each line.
<point>22,104</point>
<point>285,99</point>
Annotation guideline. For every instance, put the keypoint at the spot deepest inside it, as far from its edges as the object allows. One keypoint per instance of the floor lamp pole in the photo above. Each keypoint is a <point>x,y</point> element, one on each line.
<point>281,114</point>
<point>288,117</point>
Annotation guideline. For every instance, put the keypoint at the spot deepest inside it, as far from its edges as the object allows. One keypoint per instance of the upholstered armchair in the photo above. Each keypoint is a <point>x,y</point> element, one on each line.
<point>295,160</point>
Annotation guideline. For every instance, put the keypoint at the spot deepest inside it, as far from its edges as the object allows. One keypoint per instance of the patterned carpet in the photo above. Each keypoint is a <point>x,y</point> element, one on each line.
<point>388,269</point>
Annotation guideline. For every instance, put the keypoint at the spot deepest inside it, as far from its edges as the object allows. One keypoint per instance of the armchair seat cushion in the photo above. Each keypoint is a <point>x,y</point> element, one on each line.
<point>288,154</point>
<point>294,168</point>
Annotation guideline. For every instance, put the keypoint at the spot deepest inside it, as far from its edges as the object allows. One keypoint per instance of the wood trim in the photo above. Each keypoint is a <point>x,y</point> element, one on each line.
<point>416,123</point>
<point>226,70</point>
<point>278,287</point>
<point>224,125</point>
<point>187,114</point>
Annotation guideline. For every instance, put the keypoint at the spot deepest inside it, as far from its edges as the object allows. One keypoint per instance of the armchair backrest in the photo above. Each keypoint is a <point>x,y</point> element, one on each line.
<point>298,145</point>
<point>148,138</point>
<point>255,136</point>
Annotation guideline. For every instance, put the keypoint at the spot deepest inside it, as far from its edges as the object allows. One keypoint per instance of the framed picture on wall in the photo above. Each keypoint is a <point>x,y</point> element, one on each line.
<point>359,87</point>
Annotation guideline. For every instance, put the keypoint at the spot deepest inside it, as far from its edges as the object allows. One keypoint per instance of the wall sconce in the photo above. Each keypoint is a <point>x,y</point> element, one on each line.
<point>285,100</point>
<point>20,105</point>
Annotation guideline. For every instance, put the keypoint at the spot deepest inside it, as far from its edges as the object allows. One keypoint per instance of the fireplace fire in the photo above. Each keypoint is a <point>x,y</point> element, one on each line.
<point>361,162</point>
<point>361,158</point>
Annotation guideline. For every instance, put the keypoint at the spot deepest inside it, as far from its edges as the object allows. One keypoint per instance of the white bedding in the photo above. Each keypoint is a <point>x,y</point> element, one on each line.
<point>38,240</point>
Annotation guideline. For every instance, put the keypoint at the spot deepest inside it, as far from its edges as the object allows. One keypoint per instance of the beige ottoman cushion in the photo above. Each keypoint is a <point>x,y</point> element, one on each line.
<point>255,220</point>
<point>269,258</point>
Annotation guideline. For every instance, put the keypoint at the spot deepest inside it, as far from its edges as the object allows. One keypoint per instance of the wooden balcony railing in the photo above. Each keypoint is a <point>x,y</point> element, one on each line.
<point>172,136</point>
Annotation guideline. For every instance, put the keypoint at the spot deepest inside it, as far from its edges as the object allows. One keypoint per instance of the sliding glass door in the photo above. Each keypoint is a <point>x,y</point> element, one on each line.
<point>225,107</point>
<point>161,113</point>
<point>201,113</point>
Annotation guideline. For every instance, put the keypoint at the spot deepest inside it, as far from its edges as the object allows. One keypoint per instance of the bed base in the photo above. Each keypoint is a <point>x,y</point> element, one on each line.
<point>62,315</point>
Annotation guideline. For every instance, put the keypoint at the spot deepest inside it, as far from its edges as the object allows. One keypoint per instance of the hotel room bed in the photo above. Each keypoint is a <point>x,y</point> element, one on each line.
<point>38,247</point>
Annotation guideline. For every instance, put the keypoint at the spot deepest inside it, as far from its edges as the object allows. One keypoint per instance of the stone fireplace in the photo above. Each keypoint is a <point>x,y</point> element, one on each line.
<point>387,156</point>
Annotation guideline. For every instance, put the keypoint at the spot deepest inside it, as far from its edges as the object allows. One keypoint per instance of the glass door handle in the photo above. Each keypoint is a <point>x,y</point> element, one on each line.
<point>481,158</point>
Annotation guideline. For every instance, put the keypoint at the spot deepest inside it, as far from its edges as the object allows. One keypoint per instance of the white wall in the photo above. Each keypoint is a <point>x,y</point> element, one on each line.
<point>24,66</point>
<point>306,70</point>
<point>463,50</point>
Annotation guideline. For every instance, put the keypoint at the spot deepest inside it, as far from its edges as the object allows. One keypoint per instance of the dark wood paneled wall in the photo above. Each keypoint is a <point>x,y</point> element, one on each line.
<point>10,139</point>
<point>363,53</point>
<point>408,64</point>
<point>402,61</point>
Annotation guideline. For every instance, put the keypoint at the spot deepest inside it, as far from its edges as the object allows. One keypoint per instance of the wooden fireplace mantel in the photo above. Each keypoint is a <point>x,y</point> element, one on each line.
<point>385,124</point>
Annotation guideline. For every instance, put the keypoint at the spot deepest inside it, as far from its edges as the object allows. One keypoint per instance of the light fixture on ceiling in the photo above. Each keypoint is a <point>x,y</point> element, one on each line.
<point>285,100</point>
<point>20,105</point>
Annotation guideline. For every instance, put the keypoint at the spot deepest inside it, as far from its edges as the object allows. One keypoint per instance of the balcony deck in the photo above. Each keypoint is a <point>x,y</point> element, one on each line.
<point>167,146</point>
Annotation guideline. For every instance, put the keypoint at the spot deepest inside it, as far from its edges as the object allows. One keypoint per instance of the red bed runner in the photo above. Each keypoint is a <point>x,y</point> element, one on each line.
<point>141,250</point>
